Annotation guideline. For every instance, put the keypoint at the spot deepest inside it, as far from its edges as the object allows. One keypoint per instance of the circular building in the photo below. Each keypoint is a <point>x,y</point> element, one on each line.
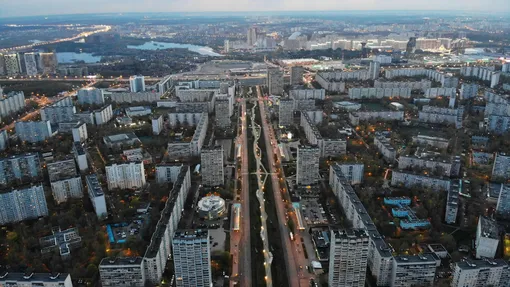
<point>211,207</point>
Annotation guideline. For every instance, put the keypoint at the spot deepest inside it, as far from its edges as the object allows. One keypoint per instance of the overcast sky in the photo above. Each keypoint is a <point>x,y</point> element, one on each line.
<point>12,8</point>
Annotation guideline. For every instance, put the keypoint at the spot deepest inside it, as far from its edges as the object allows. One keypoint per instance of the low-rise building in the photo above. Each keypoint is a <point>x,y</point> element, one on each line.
<point>438,142</point>
<point>383,144</point>
<point>452,203</point>
<point>358,116</point>
<point>138,111</point>
<point>126,139</point>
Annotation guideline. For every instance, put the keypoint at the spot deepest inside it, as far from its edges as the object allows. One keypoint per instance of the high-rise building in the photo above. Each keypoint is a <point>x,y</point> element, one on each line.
<point>157,125</point>
<point>137,84</point>
<point>411,46</point>
<point>211,160</point>
<point>80,156</point>
<point>296,75</point>
<point>274,80</point>
<point>286,112</point>
<point>21,168</point>
<point>481,273</point>
<point>30,63</point>
<point>252,36</point>
<point>2,65</point>
<point>22,204</point>
<point>122,271</point>
<point>11,103</point>
<point>12,66</point>
<point>487,237</point>
<point>414,270</point>
<point>348,254</point>
<point>103,115</point>
<point>91,96</point>
<point>96,195</point>
<point>222,113</point>
<point>353,173</point>
<point>307,172</point>
<point>48,63</point>
<point>125,175</point>
<point>34,132</point>
<point>374,69</point>
<point>192,258</point>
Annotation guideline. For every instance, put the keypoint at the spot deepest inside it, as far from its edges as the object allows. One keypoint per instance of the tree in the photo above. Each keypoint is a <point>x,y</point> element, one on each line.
<point>448,242</point>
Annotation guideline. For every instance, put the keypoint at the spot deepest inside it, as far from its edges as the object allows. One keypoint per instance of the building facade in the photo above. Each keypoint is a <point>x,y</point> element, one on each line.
<point>34,132</point>
<point>122,271</point>
<point>307,167</point>
<point>348,254</point>
<point>27,203</point>
<point>192,258</point>
<point>125,176</point>
<point>211,160</point>
<point>415,270</point>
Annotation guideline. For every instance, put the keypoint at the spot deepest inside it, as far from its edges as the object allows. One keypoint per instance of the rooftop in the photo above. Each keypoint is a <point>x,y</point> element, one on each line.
<point>478,264</point>
<point>425,258</point>
<point>191,234</point>
<point>94,186</point>
<point>489,227</point>
<point>118,261</point>
<point>34,277</point>
<point>350,233</point>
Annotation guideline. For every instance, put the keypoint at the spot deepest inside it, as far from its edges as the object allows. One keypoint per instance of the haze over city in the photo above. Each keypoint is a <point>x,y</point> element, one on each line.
<point>255,143</point>
<point>60,7</point>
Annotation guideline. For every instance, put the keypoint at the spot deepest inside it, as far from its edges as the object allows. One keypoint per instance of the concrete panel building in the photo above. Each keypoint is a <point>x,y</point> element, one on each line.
<point>125,175</point>
<point>211,160</point>
<point>307,167</point>
<point>192,258</point>
<point>348,255</point>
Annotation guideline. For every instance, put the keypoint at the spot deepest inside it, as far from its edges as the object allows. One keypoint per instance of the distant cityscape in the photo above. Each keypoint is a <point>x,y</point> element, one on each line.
<point>269,150</point>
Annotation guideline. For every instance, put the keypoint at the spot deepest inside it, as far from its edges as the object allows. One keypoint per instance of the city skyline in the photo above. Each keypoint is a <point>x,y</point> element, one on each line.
<point>67,7</point>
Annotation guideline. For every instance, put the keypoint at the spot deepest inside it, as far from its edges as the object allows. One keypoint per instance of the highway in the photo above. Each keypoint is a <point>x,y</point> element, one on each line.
<point>241,249</point>
<point>294,256</point>
<point>100,29</point>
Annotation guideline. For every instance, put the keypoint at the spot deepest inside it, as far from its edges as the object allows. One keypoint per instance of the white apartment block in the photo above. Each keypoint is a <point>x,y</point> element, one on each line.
<point>33,132</point>
<point>192,258</point>
<point>307,167</point>
<point>307,94</point>
<point>103,115</point>
<point>380,260</point>
<point>91,96</point>
<point>286,112</point>
<point>446,80</point>
<point>4,140</point>
<point>468,91</point>
<point>408,179</point>
<point>383,144</point>
<point>481,273</point>
<point>356,117</point>
<point>296,75</point>
<point>330,84</point>
<point>157,125</point>
<point>189,119</point>
<point>58,114</point>
<point>378,93</point>
<point>80,132</point>
<point>353,173</point>
<point>487,237</point>
<point>348,255</point>
<point>11,103</point>
<point>96,196</point>
<point>167,172</point>
<point>62,190</point>
<point>137,84</point>
<point>21,204</point>
<point>159,250</point>
<point>80,156</point>
<point>122,271</point>
<point>433,93</point>
<point>274,81</point>
<point>12,279</point>
<point>125,176</point>
<point>447,166</point>
<point>141,97</point>
<point>421,85</point>
<point>437,115</point>
<point>30,64</point>
<point>414,270</point>
<point>199,136</point>
<point>211,160</point>
<point>488,74</point>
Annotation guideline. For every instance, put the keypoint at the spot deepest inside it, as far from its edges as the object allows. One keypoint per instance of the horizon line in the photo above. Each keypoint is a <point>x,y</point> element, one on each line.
<point>263,11</point>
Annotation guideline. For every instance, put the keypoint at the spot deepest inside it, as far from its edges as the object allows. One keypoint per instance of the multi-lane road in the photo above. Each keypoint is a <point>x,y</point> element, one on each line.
<point>240,241</point>
<point>294,256</point>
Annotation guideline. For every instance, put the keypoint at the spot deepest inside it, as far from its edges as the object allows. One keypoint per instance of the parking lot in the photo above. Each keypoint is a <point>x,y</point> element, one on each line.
<point>313,213</point>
